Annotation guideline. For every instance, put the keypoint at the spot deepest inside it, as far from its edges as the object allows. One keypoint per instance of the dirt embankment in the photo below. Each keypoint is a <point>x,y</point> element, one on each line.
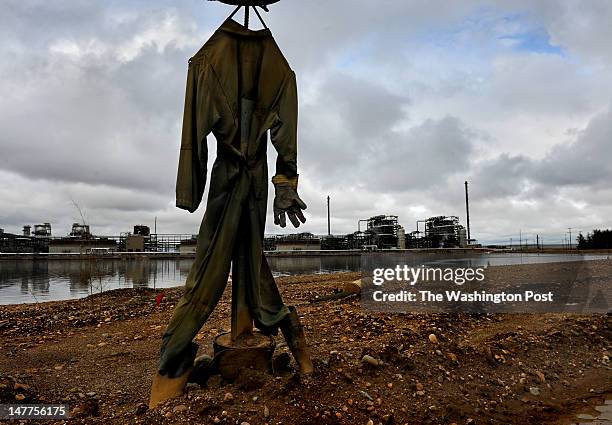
<point>99,354</point>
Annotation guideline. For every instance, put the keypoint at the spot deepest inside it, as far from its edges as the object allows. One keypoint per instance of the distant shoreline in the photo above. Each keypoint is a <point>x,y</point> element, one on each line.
<point>300,253</point>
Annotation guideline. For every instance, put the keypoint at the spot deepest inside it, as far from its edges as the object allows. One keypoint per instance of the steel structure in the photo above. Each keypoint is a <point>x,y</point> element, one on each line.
<point>384,229</point>
<point>445,231</point>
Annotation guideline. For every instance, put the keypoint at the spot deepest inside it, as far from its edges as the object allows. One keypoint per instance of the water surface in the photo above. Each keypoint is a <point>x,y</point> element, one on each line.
<point>30,281</point>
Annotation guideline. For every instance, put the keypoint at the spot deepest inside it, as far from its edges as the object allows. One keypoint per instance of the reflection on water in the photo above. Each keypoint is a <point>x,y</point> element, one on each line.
<point>48,280</point>
<point>37,281</point>
<point>286,266</point>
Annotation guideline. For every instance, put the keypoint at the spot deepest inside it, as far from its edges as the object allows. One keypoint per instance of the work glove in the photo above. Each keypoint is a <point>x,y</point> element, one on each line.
<point>287,202</point>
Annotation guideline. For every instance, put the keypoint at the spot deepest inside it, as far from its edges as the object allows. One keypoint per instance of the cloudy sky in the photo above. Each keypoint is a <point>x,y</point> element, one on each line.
<point>400,103</point>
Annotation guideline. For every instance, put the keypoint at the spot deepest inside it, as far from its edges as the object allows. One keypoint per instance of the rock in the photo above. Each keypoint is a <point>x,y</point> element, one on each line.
<point>250,379</point>
<point>228,397</point>
<point>534,390</point>
<point>452,357</point>
<point>281,362</point>
<point>19,397</point>
<point>370,360</point>
<point>433,338</point>
<point>420,393</point>
<point>419,386</point>
<point>141,408</point>
<point>216,420</point>
<point>19,386</point>
<point>586,417</point>
<point>245,423</point>
<point>180,408</point>
<point>370,422</point>
<point>540,376</point>
<point>266,412</point>
<point>88,408</point>
<point>366,395</point>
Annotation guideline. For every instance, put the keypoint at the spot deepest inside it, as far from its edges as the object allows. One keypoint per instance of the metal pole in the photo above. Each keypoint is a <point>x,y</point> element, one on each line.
<point>328,218</point>
<point>467,211</point>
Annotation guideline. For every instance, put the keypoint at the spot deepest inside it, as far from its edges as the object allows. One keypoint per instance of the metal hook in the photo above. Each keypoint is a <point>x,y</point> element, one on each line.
<point>245,3</point>
<point>234,12</point>
<point>259,16</point>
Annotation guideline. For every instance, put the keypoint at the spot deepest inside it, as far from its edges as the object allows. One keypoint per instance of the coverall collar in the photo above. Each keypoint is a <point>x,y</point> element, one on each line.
<point>234,27</point>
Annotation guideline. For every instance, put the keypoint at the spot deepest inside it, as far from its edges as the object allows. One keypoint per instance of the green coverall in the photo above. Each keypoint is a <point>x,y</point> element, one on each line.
<point>239,86</point>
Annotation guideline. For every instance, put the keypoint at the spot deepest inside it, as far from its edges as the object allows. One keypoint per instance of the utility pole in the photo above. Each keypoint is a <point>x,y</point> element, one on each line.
<point>467,211</point>
<point>521,239</point>
<point>570,237</point>
<point>328,218</point>
<point>155,227</point>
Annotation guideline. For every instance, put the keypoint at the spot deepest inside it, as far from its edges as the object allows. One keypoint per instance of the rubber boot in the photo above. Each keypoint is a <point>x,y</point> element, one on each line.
<point>203,368</point>
<point>165,388</point>
<point>294,335</point>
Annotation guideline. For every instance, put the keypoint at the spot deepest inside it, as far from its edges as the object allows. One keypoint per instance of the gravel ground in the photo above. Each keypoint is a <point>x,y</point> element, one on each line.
<point>98,355</point>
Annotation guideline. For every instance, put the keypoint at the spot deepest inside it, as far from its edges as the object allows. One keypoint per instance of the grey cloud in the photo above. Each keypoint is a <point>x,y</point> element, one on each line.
<point>583,162</point>
<point>366,108</point>
<point>391,121</point>
<point>94,117</point>
<point>502,177</point>
<point>585,31</point>
<point>339,130</point>
<point>422,157</point>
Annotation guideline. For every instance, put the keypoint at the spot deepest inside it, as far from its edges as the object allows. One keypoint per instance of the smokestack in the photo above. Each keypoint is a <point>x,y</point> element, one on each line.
<point>467,211</point>
<point>328,219</point>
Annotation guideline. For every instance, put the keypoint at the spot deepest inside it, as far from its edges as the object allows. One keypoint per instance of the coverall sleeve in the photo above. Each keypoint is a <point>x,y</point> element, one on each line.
<point>199,118</point>
<point>283,132</point>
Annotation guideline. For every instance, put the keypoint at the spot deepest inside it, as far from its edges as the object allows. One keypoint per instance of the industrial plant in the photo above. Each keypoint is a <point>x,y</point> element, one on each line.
<point>381,232</point>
